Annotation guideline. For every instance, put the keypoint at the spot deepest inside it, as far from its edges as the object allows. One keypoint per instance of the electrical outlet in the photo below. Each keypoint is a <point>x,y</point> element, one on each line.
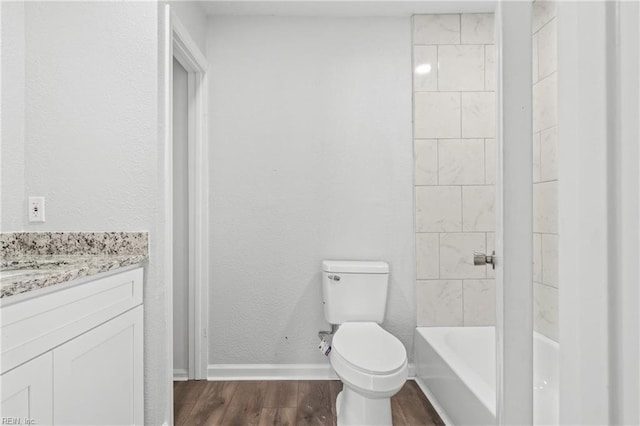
<point>36,209</point>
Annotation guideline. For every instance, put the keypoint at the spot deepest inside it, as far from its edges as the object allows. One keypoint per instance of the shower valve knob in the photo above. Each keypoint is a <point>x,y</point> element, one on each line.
<point>482,259</point>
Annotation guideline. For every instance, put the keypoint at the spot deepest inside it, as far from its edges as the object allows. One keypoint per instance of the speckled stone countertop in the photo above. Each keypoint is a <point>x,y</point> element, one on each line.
<point>35,260</point>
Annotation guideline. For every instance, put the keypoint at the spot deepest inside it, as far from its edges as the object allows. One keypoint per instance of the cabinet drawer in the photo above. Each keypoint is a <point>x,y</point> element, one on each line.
<point>36,325</point>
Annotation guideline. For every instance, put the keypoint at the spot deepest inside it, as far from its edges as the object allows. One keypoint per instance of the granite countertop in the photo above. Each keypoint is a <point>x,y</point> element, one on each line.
<point>34,272</point>
<point>33,261</point>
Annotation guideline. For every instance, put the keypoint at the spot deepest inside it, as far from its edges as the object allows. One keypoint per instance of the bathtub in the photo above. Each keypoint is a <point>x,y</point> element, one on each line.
<point>456,368</point>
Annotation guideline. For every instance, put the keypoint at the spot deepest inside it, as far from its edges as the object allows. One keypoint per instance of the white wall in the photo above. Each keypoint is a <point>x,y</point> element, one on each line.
<point>311,159</point>
<point>13,209</point>
<point>91,141</point>
<point>194,19</point>
<point>91,114</point>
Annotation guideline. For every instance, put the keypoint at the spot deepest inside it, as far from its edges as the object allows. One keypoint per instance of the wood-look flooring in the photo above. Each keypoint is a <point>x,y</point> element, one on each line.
<point>281,403</point>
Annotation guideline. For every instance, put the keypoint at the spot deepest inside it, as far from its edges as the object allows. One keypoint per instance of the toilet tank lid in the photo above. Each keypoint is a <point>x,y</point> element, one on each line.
<point>355,266</point>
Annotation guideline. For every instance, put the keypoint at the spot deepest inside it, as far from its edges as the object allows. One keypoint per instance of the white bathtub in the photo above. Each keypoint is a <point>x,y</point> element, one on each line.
<point>456,368</point>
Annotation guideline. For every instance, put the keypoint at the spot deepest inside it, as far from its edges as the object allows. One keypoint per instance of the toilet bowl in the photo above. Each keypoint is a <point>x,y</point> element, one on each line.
<point>372,364</point>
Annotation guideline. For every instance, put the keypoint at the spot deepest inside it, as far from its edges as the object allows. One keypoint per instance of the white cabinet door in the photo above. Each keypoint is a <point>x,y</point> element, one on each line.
<point>98,377</point>
<point>26,392</point>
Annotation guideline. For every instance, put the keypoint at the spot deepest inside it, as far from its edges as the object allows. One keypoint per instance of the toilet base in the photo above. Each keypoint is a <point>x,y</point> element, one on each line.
<point>354,409</point>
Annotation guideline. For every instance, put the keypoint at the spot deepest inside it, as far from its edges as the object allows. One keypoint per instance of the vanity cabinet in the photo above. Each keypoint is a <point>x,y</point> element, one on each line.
<point>26,391</point>
<point>75,355</point>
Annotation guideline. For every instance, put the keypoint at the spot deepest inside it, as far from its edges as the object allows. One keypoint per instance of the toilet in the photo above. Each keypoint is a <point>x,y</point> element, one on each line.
<point>370,362</point>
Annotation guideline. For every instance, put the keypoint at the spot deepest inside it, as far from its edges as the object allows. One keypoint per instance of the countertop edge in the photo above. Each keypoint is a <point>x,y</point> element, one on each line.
<point>52,279</point>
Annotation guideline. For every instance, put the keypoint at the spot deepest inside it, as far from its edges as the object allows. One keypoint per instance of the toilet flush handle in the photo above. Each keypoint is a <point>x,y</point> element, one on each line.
<point>334,277</point>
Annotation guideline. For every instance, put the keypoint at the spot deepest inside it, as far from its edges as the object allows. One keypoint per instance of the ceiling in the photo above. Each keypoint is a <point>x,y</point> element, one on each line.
<point>343,8</point>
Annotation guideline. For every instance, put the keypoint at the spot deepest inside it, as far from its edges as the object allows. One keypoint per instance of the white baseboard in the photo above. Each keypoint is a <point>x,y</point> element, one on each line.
<point>412,371</point>
<point>434,402</point>
<point>180,374</point>
<point>276,372</point>
<point>270,372</point>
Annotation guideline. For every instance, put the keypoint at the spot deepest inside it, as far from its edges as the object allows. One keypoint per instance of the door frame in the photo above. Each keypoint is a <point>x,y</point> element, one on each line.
<point>599,193</point>
<point>515,382</point>
<point>183,48</point>
<point>514,214</point>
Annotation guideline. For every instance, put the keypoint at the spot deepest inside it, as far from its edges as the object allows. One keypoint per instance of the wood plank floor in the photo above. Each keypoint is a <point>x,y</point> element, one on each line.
<point>283,403</point>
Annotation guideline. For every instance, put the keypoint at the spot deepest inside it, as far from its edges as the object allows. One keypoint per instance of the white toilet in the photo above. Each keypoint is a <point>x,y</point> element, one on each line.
<point>371,362</point>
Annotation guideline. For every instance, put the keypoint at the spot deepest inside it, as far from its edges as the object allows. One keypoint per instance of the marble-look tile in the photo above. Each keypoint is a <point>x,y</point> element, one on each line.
<point>461,161</point>
<point>535,75</point>
<point>456,255</point>
<point>550,260</point>
<point>438,208</point>
<point>545,207</point>
<point>545,103</point>
<point>478,208</point>
<point>460,68</point>
<point>478,114</point>
<point>490,161</point>
<point>536,157</point>
<point>479,302</point>
<point>545,310</point>
<point>436,29</point>
<point>537,258</point>
<point>427,256</point>
<point>549,154</point>
<point>491,248</point>
<point>426,162</point>
<point>543,11</point>
<point>437,115</point>
<point>490,68</point>
<point>547,49</point>
<point>425,68</point>
<point>439,303</point>
<point>477,28</point>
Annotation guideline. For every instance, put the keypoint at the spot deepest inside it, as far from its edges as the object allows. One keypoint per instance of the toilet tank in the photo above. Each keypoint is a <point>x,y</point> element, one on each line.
<point>354,290</point>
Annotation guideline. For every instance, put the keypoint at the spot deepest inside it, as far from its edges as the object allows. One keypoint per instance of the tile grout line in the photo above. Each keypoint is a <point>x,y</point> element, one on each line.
<point>437,68</point>
<point>438,162</point>
<point>484,66</point>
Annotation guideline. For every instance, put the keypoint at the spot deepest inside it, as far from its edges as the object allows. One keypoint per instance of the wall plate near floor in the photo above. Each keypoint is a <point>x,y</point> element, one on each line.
<point>36,209</point>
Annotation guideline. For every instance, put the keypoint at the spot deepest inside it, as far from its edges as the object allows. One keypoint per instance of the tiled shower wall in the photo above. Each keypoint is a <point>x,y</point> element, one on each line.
<point>545,169</point>
<point>454,106</point>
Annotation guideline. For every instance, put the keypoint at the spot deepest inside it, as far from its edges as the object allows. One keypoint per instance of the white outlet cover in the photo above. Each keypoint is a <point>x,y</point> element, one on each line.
<point>36,209</point>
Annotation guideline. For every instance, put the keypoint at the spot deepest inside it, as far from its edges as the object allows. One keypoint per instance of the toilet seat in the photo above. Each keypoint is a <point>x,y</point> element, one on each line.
<point>368,348</point>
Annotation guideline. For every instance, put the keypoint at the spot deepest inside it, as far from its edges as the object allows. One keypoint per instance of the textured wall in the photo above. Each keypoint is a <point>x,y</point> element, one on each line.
<point>193,17</point>
<point>454,81</point>
<point>311,159</point>
<point>91,144</point>
<point>545,168</point>
<point>13,209</point>
<point>91,114</point>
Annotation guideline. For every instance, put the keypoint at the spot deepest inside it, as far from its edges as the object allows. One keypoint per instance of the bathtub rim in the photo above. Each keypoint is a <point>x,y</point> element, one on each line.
<point>443,350</point>
<point>485,394</point>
